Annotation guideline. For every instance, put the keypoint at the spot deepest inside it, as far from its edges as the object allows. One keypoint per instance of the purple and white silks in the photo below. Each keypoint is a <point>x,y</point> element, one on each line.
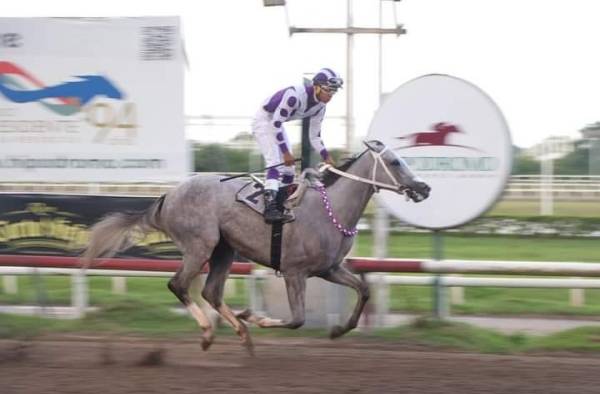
<point>291,103</point>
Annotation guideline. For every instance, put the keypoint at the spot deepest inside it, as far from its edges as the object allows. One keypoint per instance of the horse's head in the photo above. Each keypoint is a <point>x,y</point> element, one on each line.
<point>446,128</point>
<point>391,167</point>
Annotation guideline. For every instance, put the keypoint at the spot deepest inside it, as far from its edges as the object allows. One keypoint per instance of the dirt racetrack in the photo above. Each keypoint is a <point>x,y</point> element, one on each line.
<point>78,364</point>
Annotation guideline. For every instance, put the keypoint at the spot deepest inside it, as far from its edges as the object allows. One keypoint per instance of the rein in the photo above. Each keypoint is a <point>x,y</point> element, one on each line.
<point>394,186</point>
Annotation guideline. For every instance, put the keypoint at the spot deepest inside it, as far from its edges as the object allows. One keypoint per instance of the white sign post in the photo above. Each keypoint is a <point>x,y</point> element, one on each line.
<point>91,100</point>
<point>455,138</point>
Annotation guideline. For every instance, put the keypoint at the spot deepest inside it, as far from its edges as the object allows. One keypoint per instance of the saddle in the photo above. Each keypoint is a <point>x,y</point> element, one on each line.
<point>251,193</point>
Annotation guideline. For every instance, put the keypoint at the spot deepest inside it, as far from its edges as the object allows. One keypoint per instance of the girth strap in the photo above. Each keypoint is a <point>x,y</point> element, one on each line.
<point>276,235</point>
<point>277,232</point>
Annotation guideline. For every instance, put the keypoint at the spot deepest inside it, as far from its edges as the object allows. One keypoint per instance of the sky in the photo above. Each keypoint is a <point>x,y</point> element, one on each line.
<point>537,59</point>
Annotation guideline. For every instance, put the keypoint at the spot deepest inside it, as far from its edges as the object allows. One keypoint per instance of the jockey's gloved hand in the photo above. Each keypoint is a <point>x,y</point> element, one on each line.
<point>288,159</point>
<point>320,167</point>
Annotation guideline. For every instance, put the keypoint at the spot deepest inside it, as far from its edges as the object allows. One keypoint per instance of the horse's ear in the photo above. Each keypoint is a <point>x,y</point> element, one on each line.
<point>374,145</point>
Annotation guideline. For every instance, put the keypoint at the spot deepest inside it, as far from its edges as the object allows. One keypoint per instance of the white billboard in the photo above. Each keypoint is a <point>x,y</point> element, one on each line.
<point>455,138</point>
<point>91,99</point>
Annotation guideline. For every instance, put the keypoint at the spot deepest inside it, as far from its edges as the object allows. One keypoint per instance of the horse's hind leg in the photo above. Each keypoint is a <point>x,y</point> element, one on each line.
<point>220,264</point>
<point>342,276</point>
<point>180,284</point>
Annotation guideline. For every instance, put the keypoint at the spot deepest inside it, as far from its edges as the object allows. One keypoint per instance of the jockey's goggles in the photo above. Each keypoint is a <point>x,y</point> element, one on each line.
<point>328,90</point>
<point>332,84</point>
<point>335,83</point>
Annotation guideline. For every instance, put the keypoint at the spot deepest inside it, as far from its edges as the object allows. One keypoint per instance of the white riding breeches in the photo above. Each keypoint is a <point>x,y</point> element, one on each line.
<point>264,132</point>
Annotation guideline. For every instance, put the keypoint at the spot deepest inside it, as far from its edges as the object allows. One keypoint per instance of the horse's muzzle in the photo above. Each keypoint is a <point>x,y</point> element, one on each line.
<point>418,192</point>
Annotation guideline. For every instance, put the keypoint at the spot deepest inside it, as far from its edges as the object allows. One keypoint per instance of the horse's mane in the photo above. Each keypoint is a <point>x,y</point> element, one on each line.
<point>329,177</point>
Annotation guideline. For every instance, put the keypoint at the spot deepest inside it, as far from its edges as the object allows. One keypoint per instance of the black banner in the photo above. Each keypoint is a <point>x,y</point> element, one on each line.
<point>45,224</point>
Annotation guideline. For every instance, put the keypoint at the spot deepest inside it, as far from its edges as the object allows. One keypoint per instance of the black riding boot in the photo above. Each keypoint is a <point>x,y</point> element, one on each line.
<point>273,210</point>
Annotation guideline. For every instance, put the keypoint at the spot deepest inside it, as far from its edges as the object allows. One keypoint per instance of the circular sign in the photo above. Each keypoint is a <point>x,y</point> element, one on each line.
<point>455,138</point>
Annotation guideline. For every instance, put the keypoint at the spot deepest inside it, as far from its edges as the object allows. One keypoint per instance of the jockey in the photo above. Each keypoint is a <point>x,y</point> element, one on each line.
<point>291,103</point>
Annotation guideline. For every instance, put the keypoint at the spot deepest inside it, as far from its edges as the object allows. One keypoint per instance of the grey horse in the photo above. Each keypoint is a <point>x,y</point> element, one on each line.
<point>207,224</point>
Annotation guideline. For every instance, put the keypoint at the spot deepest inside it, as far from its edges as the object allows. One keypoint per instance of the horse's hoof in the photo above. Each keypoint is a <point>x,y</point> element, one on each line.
<point>336,332</point>
<point>206,342</point>
<point>244,315</point>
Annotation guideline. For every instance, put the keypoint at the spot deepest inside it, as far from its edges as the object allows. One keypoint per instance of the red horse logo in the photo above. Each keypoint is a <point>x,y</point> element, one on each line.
<point>437,137</point>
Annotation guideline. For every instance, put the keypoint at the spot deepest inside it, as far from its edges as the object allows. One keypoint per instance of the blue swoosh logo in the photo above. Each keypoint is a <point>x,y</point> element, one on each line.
<point>88,87</point>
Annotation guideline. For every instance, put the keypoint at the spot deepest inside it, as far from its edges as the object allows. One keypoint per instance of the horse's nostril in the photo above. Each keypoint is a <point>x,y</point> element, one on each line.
<point>423,189</point>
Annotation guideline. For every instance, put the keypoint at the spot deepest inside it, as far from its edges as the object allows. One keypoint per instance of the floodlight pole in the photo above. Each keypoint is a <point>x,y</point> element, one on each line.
<point>350,31</point>
<point>381,222</point>
<point>350,81</point>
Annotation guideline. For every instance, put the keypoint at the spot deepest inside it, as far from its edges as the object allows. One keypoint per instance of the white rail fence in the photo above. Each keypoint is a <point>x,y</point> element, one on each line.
<point>380,283</point>
<point>557,187</point>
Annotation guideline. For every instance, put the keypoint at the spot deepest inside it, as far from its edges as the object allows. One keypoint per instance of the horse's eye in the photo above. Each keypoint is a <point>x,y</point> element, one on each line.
<point>395,162</point>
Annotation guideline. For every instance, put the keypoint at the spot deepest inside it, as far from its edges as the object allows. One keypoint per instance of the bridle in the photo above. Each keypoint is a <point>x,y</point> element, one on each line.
<point>394,186</point>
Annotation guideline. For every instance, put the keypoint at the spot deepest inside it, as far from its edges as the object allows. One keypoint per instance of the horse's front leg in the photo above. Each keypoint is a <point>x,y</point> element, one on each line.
<point>296,288</point>
<point>342,276</point>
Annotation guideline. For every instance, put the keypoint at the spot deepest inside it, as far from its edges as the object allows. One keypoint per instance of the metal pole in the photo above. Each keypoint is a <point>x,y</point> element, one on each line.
<point>380,65</point>
<point>10,284</point>
<point>381,220</point>
<point>350,31</point>
<point>546,194</point>
<point>440,306</point>
<point>349,83</point>
<point>119,285</point>
<point>79,293</point>
<point>306,153</point>
<point>305,146</point>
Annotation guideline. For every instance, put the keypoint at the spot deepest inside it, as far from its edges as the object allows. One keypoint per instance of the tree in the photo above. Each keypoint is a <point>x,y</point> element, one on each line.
<point>223,158</point>
<point>524,165</point>
<point>575,163</point>
<point>220,158</point>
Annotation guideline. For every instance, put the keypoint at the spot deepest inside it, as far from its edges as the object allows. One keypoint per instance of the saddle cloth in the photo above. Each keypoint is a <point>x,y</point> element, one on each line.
<point>251,194</point>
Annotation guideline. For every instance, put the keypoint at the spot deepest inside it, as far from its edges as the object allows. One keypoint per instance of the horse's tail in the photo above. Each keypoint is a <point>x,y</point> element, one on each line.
<point>115,232</point>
